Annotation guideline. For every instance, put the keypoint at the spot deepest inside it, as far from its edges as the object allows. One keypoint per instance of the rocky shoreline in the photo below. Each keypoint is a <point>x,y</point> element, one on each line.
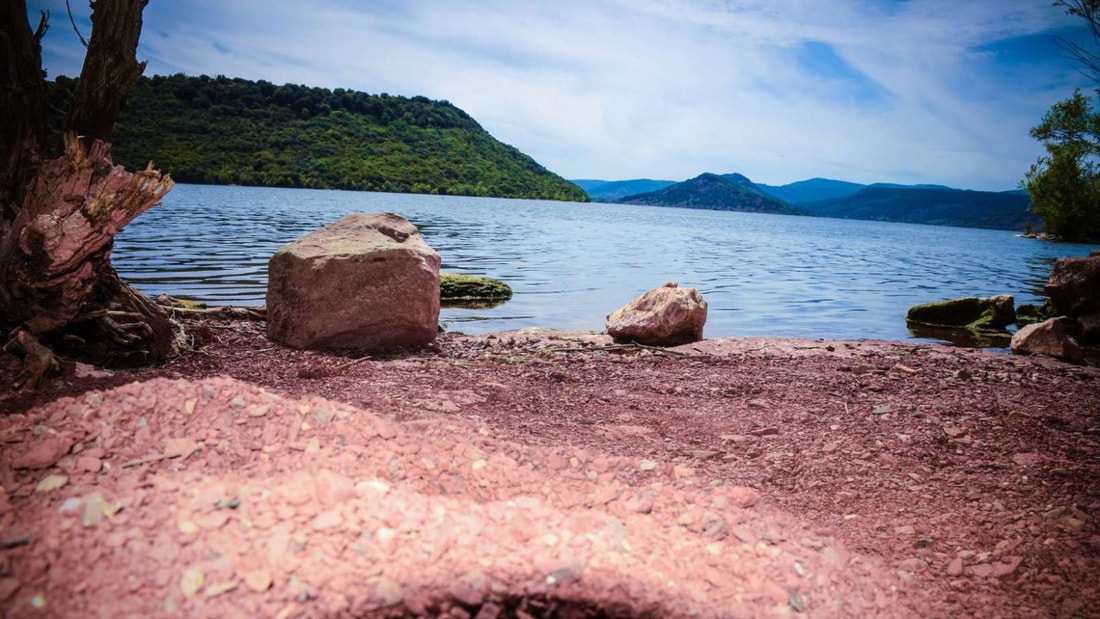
<point>539,472</point>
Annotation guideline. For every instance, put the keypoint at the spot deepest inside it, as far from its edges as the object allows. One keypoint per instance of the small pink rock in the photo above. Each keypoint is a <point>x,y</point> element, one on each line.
<point>983,570</point>
<point>955,568</point>
<point>44,453</point>
<point>89,463</point>
<point>333,488</point>
<point>327,520</point>
<point>8,587</point>
<point>1006,566</point>
<point>214,520</point>
<point>298,490</point>
<point>744,497</point>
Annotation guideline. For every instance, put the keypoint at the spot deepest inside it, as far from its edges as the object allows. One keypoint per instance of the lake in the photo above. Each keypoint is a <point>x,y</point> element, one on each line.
<point>571,264</point>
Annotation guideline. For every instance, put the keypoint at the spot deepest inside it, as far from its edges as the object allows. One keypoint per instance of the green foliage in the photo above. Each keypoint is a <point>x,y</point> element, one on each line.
<point>1064,185</point>
<point>234,131</point>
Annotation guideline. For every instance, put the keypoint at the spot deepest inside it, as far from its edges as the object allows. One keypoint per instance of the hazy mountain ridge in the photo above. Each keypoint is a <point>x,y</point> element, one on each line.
<point>609,191</point>
<point>923,204</point>
<point>730,192</point>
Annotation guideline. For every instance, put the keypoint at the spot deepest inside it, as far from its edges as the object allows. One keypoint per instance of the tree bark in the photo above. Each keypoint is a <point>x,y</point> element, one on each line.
<point>63,200</point>
<point>110,69</point>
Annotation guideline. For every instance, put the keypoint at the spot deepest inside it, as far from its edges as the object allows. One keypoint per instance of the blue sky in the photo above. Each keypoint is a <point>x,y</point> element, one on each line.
<point>914,91</point>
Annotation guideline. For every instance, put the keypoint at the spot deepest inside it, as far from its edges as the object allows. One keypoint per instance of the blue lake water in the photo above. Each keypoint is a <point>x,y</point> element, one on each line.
<point>570,264</point>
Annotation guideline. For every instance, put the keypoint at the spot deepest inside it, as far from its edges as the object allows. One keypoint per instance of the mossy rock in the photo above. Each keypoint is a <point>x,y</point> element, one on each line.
<point>1027,314</point>
<point>990,313</point>
<point>461,289</point>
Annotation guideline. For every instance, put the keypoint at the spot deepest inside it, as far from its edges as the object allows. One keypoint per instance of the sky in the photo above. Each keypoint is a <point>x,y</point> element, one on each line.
<point>901,91</point>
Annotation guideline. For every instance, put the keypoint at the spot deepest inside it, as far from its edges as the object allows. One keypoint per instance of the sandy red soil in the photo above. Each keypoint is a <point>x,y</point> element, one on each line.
<point>535,474</point>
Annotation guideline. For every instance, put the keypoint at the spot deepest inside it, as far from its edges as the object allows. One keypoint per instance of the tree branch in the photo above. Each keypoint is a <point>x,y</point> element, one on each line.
<point>73,22</point>
<point>110,69</point>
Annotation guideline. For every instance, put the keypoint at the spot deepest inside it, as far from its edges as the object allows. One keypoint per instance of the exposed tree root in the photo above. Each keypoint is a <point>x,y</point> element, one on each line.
<point>39,361</point>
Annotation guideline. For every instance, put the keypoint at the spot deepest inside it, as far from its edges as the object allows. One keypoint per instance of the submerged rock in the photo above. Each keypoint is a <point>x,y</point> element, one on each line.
<point>665,316</point>
<point>988,313</point>
<point>363,282</point>
<point>462,289</point>
<point>1028,314</point>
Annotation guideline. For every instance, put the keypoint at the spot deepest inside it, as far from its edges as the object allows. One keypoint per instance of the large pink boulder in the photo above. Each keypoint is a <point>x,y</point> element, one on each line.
<point>666,316</point>
<point>1074,285</point>
<point>367,281</point>
<point>1053,338</point>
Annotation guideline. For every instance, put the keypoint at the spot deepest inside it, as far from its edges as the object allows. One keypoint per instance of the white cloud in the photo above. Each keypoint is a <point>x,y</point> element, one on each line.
<point>664,88</point>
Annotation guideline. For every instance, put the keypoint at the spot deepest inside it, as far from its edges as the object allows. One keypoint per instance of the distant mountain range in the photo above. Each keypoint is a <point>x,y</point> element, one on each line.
<point>609,191</point>
<point>727,192</point>
<point>924,204</point>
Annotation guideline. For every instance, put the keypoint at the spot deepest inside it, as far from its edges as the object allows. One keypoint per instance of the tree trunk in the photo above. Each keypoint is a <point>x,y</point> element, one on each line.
<point>63,200</point>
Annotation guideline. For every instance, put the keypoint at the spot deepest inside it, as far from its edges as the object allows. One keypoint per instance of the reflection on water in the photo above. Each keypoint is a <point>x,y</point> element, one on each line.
<point>570,264</point>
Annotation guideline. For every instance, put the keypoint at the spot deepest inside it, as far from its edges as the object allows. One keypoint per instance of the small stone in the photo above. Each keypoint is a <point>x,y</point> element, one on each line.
<point>258,410</point>
<point>44,453</point>
<point>179,447</point>
<point>188,528</point>
<point>220,588</point>
<point>881,409</point>
<point>769,431</point>
<point>647,465</point>
<point>1027,459</point>
<point>322,416</point>
<point>258,580</point>
<point>953,431</point>
<point>955,568</point>
<point>192,582</point>
<point>830,447</point>
<point>983,570</point>
<point>683,472</point>
<point>466,591</point>
<point>8,588</point>
<point>388,593</point>
<point>743,497</point>
<point>314,445</point>
<point>327,520</point>
<point>71,505</point>
<point>95,510</point>
<point>90,464</point>
<point>1006,567</point>
<point>640,505</point>
<point>907,530</point>
<point>50,483</point>
<point>913,566</point>
<point>213,520</point>
<point>568,573</point>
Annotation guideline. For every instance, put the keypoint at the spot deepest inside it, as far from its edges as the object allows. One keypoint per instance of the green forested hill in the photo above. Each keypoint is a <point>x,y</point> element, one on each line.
<point>235,131</point>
